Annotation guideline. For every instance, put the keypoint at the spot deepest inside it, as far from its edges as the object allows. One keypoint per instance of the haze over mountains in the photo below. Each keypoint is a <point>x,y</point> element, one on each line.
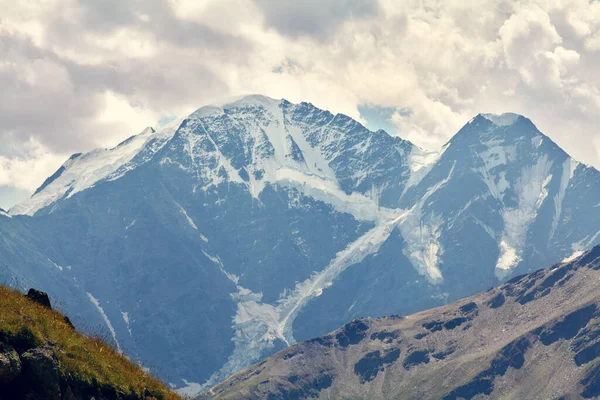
<point>211,243</point>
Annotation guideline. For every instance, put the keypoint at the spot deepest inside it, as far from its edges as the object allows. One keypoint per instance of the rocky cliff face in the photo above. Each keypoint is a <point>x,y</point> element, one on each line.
<point>204,246</point>
<point>537,336</point>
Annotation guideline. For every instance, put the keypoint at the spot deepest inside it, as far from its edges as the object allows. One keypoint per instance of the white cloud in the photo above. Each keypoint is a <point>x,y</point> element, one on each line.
<point>81,74</point>
<point>120,115</point>
<point>28,171</point>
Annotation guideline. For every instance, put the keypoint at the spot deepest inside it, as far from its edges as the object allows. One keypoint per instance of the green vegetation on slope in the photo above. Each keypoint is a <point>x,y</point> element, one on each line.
<point>84,360</point>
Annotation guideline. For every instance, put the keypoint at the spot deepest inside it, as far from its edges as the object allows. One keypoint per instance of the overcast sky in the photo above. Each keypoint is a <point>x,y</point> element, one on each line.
<point>76,75</point>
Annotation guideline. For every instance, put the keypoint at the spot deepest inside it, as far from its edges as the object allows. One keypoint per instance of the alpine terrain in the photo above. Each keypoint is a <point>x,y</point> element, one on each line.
<point>535,337</point>
<point>213,242</point>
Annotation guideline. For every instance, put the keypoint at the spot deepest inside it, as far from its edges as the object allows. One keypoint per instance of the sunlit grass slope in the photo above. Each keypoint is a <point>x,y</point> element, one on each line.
<point>83,359</point>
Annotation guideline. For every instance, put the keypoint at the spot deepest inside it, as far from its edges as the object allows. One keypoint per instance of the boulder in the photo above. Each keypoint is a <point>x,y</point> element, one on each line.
<point>10,364</point>
<point>39,297</point>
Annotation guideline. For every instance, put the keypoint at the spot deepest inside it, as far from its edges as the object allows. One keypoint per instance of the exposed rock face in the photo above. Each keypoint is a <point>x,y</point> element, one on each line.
<point>537,336</point>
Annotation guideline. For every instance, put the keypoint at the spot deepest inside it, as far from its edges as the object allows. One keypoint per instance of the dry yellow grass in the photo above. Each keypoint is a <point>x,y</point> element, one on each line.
<point>84,358</point>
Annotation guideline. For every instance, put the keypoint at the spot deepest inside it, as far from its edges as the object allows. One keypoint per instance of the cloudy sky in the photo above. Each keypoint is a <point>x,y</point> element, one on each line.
<point>76,75</point>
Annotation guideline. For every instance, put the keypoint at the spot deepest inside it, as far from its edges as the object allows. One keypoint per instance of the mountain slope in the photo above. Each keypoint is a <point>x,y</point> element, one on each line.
<point>205,246</point>
<point>537,336</point>
<point>42,356</point>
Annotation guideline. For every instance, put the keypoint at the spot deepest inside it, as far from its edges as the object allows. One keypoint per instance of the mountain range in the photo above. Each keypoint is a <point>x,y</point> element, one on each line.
<point>211,243</point>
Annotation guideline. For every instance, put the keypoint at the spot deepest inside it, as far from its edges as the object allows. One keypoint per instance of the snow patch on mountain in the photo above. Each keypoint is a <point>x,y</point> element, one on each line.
<point>58,267</point>
<point>232,277</point>
<point>497,153</point>
<point>420,163</point>
<point>268,132</point>
<point>187,217</point>
<point>359,206</point>
<point>198,155</point>
<point>190,389</point>
<point>568,171</point>
<point>255,331</point>
<point>576,254</point>
<point>154,143</point>
<point>216,109</point>
<point>531,192</point>
<point>109,325</point>
<point>314,159</point>
<point>422,233</point>
<point>207,111</point>
<point>125,316</point>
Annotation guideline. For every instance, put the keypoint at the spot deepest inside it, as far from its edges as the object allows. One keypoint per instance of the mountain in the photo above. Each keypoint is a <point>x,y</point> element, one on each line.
<point>43,357</point>
<point>536,336</point>
<point>206,245</point>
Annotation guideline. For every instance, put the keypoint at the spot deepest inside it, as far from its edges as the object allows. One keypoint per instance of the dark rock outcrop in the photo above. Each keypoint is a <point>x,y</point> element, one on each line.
<point>39,297</point>
<point>41,370</point>
<point>352,333</point>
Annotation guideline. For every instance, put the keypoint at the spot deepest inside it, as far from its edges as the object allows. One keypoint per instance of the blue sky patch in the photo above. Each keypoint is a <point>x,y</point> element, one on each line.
<point>165,120</point>
<point>378,117</point>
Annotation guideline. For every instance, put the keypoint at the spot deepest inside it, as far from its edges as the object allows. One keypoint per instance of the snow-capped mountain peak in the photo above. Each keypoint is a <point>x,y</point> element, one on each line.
<point>254,100</point>
<point>252,140</point>
<point>504,119</point>
<point>82,171</point>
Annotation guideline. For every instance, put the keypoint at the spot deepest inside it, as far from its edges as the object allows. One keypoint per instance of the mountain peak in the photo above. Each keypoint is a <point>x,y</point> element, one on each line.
<point>504,119</point>
<point>507,127</point>
<point>251,100</point>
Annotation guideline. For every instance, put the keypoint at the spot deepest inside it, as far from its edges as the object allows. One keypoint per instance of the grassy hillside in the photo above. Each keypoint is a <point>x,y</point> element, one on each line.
<point>84,361</point>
